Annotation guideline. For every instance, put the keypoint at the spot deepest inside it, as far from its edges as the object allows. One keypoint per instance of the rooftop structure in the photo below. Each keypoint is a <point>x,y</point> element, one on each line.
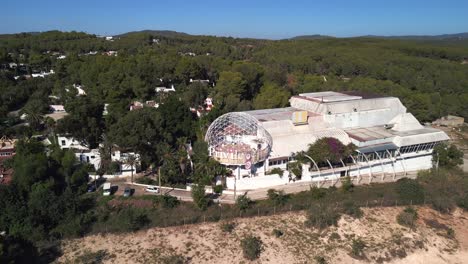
<point>385,134</point>
<point>238,138</point>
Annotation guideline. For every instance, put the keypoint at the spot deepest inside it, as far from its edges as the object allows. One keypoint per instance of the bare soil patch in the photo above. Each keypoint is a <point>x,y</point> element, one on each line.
<point>386,241</point>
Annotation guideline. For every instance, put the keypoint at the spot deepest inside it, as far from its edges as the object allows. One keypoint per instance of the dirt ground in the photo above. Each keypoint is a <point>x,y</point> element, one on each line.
<point>386,241</point>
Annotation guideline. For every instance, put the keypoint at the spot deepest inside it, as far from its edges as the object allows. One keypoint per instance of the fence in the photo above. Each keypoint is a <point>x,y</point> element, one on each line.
<point>229,213</point>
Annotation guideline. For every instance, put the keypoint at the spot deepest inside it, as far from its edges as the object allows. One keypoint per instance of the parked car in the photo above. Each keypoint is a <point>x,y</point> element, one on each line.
<point>127,192</point>
<point>91,188</point>
<point>107,189</point>
<point>152,189</point>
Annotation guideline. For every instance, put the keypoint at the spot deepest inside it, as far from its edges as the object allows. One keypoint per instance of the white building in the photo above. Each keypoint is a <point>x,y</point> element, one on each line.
<point>70,143</point>
<point>93,156</point>
<point>164,89</point>
<point>79,89</point>
<point>42,74</point>
<point>57,108</point>
<point>123,159</point>
<point>390,140</point>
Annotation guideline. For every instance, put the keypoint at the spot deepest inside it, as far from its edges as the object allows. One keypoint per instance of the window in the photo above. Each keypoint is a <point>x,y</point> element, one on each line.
<point>63,142</point>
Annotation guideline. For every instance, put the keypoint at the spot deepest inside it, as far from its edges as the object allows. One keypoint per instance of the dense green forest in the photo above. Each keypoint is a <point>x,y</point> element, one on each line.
<point>45,201</point>
<point>431,78</point>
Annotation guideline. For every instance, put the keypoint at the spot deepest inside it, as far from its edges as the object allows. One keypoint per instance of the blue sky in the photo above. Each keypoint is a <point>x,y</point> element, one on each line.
<point>239,18</point>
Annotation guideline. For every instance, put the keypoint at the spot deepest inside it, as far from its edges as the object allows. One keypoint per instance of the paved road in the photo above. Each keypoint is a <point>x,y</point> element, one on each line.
<point>257,194</point>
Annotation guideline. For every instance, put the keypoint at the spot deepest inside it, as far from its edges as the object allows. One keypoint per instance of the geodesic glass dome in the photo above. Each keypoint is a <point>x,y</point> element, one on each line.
<point>238,138</point>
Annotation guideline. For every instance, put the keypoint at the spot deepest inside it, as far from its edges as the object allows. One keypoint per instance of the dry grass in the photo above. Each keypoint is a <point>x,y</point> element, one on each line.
<point>385,240</point>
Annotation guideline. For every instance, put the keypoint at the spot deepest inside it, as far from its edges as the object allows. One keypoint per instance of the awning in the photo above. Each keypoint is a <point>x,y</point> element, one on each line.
<point>377,148</point>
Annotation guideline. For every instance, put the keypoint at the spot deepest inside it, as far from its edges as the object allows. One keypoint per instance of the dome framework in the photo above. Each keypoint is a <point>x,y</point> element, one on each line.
<point>238,138</point>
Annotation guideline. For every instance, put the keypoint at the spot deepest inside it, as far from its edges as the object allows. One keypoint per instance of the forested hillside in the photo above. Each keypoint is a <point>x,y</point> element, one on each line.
<point>46,200</point>
<point>430,78</point>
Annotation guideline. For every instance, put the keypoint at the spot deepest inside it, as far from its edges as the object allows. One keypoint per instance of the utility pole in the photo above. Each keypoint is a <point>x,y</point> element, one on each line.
<point>235,182</point>
<point>159,178</point>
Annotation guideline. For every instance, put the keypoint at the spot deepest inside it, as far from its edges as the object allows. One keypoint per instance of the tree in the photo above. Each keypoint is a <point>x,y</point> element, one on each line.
<point>410,191</point>
<point>199,196</point>
<point>84,121</point>
<point>229,84</point>
<point>447,156</point>
<point>243,202</point>
<point>252,73</point>
<point>278,198</point>
<point>408,217</point>
<point>295,169</point>
<point>328,149</point>
<point>252,247</point>
<point>131,160</point>
<point>271,96</point>
<point>140,130</point>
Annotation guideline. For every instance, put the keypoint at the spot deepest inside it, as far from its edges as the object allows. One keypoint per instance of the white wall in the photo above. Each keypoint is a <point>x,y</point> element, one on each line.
<point>410,163</point>
<point>69,143</point>
<point>92,157</point>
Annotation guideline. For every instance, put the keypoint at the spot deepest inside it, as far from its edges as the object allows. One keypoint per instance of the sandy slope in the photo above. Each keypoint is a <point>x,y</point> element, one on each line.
<point>205,243</point>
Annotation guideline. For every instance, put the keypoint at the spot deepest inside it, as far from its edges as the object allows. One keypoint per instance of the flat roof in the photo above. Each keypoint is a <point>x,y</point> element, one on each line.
<point>329,97</point>
<point>275,114</point>
<point>380,132</point>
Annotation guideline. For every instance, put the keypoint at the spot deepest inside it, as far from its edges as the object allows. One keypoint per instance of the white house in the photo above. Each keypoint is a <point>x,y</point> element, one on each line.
<point>70,143</point>
<point>57,108</point>
<point>164,89</point>
<point>42,74</point>
<point>79,89</point>
<point>105,111</point>
<point>122,158</point>
<point>92,157</point>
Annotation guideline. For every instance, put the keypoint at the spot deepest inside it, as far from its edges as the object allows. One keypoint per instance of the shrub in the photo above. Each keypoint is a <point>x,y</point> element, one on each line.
<point>278,198</point>
<point>334,236</point>
<point>320,260</point>
<point>133,219</point>
<point>357,248</point>
<point>410,190</point>
<point>317,193</point>
<point>447,156</point>
<point>295,169</point>
<point>146,180</point>
<point>243,202</point>
<point>227,227</point>
<point>168,201</point>
<point>277,232</point>
<point>199,196</point>
<point>450,233</point>
<point>251,247</point>
<point>174,259</point>
<point>408,217</point>
<point>351,209</point>
<point>347,185</point>
<point>277,171</point>
<point>463,202</point>
<point>92,257</point>
<point>218,189</point>
<point>444,205</point>
<point>322,215</point>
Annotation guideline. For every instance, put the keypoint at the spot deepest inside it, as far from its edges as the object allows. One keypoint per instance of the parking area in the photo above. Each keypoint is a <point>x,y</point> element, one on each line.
<point>138,190</point>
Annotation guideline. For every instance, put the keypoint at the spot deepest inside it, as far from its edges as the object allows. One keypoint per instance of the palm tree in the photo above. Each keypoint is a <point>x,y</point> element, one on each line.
<point>34,118</point>
<point>106,152</point>
<point>131,160</point>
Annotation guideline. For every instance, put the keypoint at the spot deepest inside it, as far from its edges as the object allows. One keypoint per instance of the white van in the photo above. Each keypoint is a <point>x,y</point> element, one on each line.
<point>107,189</point>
